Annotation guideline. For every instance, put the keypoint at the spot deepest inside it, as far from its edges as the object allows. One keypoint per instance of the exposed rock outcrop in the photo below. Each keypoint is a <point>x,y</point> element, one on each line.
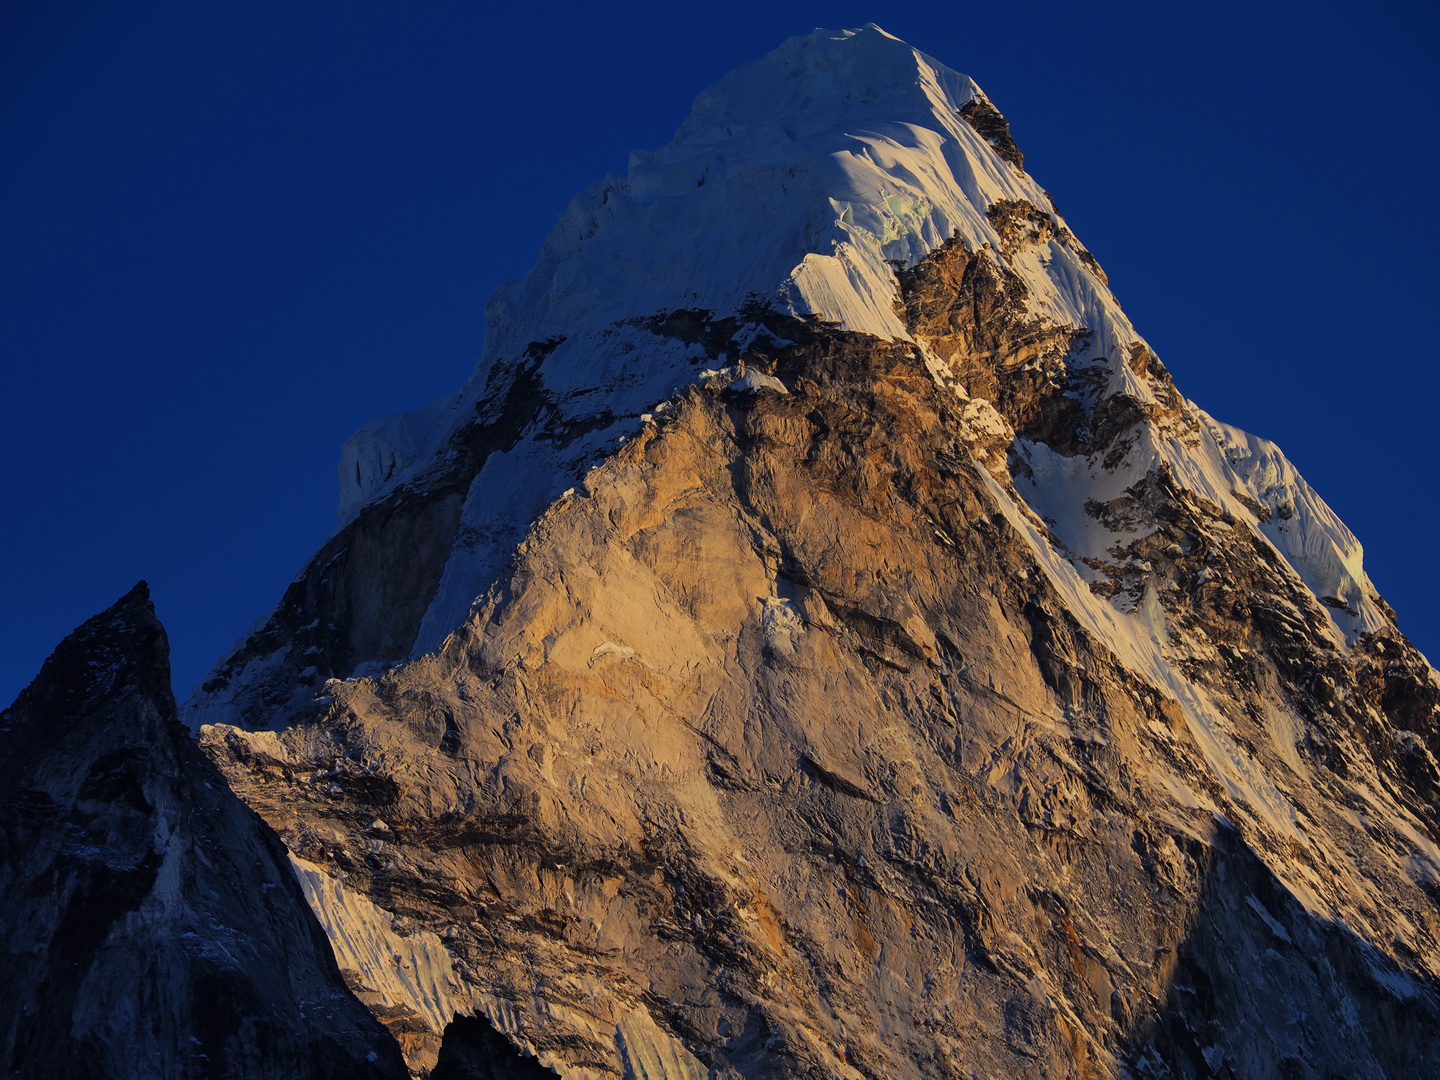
<point>981,114</point>
<point>781,743</point>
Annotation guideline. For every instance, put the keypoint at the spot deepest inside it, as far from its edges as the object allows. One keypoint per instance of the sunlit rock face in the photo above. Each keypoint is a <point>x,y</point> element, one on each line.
<point>151,926</point>
<point>821,640</point>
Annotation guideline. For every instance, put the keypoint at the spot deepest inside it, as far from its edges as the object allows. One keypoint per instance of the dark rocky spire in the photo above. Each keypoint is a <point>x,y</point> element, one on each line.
<point>151,924</point>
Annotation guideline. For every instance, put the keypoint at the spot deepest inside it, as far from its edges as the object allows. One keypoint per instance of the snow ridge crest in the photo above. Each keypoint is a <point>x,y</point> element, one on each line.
<point>797,178</point>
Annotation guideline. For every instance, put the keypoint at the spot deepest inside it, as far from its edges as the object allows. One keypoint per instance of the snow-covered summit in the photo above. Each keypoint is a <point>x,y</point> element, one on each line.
<point>798,183</point>
<point>796,179</point>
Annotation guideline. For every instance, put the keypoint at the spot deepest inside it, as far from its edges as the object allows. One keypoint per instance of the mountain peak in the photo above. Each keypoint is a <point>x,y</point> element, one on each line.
<point>121,648</point>
<point>152,926</point>
<point>821,78</point>
<point>797,180</point>
<point>797,186</point>
<point>823,631</point>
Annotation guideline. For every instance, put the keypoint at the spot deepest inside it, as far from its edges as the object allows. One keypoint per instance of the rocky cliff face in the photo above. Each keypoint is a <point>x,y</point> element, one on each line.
<point>822,641</point>
<point>781,753</point>
<point>151,926</point>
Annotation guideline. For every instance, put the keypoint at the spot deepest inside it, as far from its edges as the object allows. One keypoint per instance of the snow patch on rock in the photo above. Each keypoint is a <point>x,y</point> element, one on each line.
<point>782,625</point>
<point>755,381</point>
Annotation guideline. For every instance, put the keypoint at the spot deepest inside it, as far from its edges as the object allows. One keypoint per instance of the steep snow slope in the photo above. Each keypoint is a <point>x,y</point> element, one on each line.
<point>821,639</point>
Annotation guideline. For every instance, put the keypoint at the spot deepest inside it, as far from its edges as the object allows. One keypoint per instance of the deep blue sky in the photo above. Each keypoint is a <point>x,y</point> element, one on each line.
<point>232,233</point>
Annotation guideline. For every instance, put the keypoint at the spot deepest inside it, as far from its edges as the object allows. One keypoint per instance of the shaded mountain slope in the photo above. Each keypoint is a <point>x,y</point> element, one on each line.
<point>151,924</point>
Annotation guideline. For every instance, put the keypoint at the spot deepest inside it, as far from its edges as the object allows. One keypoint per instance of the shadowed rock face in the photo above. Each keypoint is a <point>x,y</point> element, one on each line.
<point>473,1050</point>
<point>151,926</point>
<point>360,600</point>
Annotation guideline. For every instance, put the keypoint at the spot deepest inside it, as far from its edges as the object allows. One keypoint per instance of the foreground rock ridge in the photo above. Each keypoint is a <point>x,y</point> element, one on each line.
<point>151,925</point>
<point>821,641</point>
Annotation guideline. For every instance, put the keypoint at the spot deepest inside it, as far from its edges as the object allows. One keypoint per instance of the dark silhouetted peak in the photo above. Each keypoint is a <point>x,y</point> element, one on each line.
<point>151,924</point>
<point>474,1050</point>
<point>120,651</point>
